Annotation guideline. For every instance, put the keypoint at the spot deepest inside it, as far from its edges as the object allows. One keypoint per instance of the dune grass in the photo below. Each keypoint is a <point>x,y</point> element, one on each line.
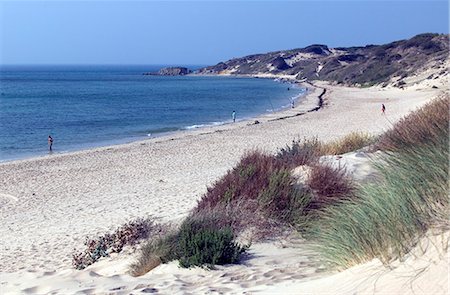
<point>307,151</point>
<point>417,128</point>
<point>388,217</point>
<point>348,224</point>
<point>349,143</point>
<point>301,152</point>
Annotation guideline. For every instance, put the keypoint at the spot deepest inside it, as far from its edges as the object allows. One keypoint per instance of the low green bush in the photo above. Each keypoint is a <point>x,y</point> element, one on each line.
<point>203,244</point>
<point>202,240</point>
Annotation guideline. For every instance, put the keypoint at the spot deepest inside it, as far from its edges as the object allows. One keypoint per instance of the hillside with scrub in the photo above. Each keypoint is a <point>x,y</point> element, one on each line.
<point>365,65</point>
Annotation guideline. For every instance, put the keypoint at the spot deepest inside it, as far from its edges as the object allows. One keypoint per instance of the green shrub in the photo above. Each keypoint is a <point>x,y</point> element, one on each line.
<point>201,240</point>
<point>203,244</point>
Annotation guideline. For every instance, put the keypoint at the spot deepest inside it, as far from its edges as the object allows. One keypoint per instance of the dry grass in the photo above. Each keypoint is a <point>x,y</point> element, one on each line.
<point>352,142</point>
<point>154,252</point>
<point>301,152</point>
<point>418,128</point>
<point>147,261</point>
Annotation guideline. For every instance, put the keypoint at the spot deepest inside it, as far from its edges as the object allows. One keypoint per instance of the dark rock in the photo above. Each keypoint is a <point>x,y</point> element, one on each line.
<point>171,71</point>
<point>174,71</point>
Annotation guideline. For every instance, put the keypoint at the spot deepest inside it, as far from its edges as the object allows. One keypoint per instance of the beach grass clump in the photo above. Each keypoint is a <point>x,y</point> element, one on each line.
<point>126,235</point>
<point>307,151</point>
<point>260,194</point>
<point>387,217</point>
<point>349,143</point>
<point>301,152</point>
<point>418,128</point>
<point>153,253</point>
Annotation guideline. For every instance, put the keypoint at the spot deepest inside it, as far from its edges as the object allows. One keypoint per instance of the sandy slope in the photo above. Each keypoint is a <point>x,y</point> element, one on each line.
<point>49,204</point>
<point>425,270</point>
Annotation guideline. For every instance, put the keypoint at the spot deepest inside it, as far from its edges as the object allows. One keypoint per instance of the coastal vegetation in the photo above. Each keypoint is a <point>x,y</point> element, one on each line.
<point>363,66</point>
<point>389,216</point>
<point>128,234</point>
<point>347,223</point>
<point>201,240</point>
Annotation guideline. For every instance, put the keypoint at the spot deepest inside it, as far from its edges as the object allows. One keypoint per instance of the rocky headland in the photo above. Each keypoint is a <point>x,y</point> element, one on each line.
<point>171,71</point>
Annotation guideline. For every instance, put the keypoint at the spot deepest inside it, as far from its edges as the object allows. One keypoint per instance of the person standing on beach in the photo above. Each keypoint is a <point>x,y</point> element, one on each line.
<point>383,108</point>
<point>292,103</point>
<point>50,142</point>
<point>233,116</point>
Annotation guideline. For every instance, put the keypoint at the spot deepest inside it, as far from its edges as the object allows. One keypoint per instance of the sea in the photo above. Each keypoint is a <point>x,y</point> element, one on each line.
<point>83,107</point>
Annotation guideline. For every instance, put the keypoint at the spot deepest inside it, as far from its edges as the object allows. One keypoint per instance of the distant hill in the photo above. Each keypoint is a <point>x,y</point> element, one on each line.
<point>368,65</point>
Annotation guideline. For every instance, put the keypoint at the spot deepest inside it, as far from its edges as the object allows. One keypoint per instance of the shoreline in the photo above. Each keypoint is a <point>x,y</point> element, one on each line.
<point>301,99</point>
<point>136,139</point>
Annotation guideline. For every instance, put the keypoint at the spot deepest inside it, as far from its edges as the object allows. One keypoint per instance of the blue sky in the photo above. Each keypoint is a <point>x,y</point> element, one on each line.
<point>201,32</point>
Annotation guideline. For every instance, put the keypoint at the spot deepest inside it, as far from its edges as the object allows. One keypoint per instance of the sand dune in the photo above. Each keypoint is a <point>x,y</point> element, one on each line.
<point>49,204</point>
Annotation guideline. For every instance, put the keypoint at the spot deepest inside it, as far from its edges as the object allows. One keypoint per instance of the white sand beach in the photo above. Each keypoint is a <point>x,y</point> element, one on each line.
<point>50,204</point>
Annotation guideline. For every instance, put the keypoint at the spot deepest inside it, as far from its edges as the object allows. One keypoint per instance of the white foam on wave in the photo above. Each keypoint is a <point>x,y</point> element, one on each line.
<point>196,126</point>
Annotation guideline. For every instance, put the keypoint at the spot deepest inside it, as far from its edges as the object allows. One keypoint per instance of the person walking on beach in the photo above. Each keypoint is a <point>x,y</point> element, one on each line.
<point>292,103</point>
<point>383,108</point>
<point>50,142</point>
<point>233,116</point>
